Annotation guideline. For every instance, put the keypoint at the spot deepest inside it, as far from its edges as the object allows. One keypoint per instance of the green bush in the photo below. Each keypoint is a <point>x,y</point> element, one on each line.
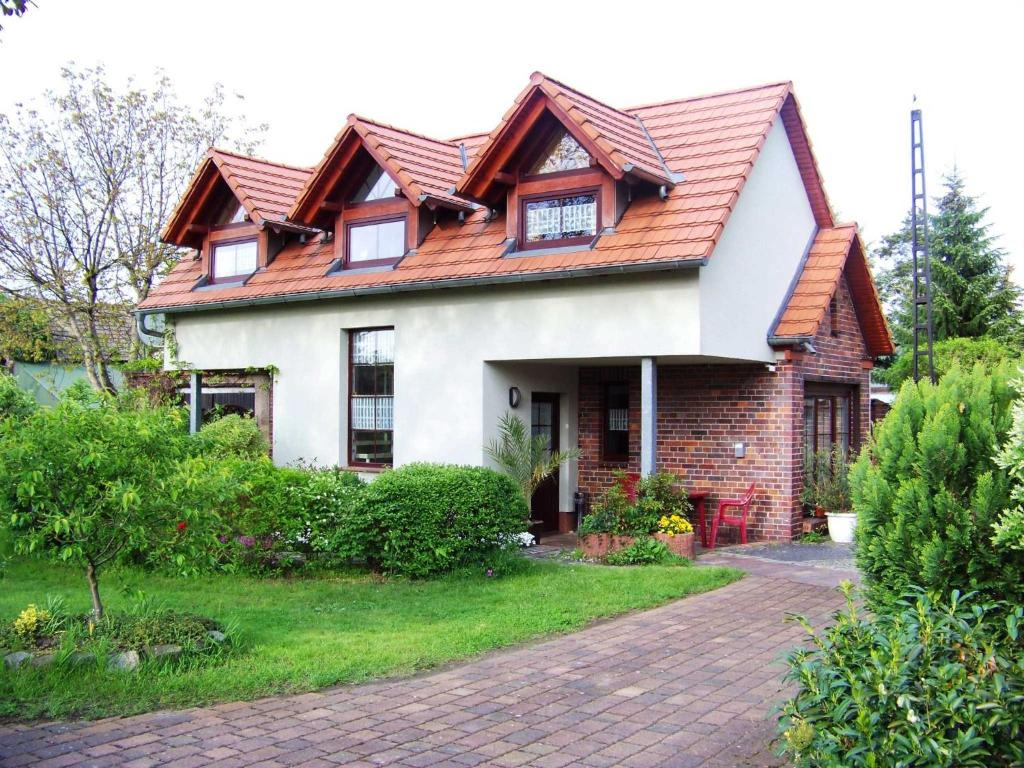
<point>927,491</point>
<point>1009,530</point>
<point>645,551</point>
<point>614,511</point>
<point>962,352</point>
<point>927,683</point>
<point>425,519</point>
<point>89,480</point>
<point>328,502</point>
<point>232,435</point>
<point>15,402</point>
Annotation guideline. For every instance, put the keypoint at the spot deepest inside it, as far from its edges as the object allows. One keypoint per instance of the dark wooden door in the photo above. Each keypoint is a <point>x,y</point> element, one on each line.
<point>544,421</point>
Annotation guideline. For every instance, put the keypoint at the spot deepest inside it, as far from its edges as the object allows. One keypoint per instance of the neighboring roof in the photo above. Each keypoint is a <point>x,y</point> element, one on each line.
<point>712,140</point>
<point>618,140</point>
<point>266,190</point>
<point>424,168</point>
<point>835,251</point>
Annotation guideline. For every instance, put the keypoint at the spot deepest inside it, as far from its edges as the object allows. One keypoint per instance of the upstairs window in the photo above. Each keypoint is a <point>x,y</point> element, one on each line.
<point>233,261</point>
<point>376,242</point>
<point>233,213</point>
<point>615,426</point>
<point>378,186</point>
<point>565,219</point>
<point>371,396</point>
<point>561,153</point>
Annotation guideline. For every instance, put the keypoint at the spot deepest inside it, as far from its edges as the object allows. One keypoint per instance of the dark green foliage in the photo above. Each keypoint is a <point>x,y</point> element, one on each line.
<point>827,480</point>
<point>646,551</point>
<point>973,295</point>
<point>964,352</point>
<point>928,683</point>
<point>424,519</point>
<point>614,512</point>
<point>15,403</point>
<point>927,490</point>
<point>233,435</point>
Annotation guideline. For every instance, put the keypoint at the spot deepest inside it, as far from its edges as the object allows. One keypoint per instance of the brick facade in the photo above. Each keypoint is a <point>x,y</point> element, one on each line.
<point>704,410</point>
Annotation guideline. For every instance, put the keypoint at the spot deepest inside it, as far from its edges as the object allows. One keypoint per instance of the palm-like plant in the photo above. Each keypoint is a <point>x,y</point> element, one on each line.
<point>528,460</point>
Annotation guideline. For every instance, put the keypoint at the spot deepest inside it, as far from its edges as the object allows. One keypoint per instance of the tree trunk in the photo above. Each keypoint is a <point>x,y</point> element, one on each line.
<point>94,591</point>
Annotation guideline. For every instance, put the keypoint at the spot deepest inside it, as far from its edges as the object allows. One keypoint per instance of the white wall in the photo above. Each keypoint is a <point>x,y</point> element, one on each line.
<point>749,274</point>
<point>442,341</point>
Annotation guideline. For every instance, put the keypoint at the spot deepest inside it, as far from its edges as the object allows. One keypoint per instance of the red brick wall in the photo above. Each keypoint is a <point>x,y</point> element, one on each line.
<point>703,410</point>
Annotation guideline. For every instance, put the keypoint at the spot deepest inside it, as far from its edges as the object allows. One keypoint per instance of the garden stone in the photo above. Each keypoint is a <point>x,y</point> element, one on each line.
<point>125,661</point>
<point>16,659</point>
<point>78,657</point>
<point>44,660</point>
<point>217,636</point>
<point>167,650</point>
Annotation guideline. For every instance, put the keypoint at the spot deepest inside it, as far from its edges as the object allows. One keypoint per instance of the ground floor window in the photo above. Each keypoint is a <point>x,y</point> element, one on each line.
<point>371,396</point>
<point>222,401</point>
<point>828,419</point>
<point>615,422</point>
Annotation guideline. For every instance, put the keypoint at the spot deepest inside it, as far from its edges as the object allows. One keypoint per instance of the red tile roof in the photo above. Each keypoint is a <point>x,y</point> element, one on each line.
<point>266,190</point>
<point>835,251</point>
<point>712,140</point>
<point>424,168</point>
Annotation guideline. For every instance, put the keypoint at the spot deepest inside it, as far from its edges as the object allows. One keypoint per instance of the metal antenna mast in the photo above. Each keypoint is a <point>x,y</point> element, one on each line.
<point>922,297</point>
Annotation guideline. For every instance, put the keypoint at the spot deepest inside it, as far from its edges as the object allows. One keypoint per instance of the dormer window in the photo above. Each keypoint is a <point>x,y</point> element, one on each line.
<point>561,153</point>
<point>233,261</point>
<point>233,213</point>
<point>377,186</point>
<point>559,220</point>
<point>376,242</point>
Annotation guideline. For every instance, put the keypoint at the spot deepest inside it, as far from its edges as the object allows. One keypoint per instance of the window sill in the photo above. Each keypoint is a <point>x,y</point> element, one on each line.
<point>365,469</point>
<point>515,253</point>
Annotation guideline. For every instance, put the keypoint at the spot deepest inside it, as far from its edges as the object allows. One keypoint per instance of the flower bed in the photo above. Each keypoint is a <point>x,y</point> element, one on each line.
<point>597,546</point>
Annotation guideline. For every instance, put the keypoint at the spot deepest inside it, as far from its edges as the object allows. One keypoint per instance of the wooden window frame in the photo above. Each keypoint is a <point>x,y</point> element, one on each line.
<point>384,218</point>
<point>215,244</point>
<point>820,390</point>
<point>524,200</point>
<point>605,456</point>
<point>351,332</point>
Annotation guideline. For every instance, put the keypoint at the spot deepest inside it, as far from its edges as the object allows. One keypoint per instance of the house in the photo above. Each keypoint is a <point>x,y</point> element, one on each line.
<point>664,286</point>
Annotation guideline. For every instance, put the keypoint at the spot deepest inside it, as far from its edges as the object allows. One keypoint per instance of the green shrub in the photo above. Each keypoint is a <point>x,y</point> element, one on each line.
<point>927,491</point>
<point>327,502</point>
<point>962,352</point>
<point>927,683</point>
<point>645,551</point>
<point>232,435</point>
<point>614,511</point>
<point>425,519</point>
<point>91,479</point>
<point>15,402</point>
<point>1009,530</point>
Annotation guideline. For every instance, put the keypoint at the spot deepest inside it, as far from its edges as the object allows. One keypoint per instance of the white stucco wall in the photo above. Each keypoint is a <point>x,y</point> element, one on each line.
<point>447,396</point>
<point>749,274</point>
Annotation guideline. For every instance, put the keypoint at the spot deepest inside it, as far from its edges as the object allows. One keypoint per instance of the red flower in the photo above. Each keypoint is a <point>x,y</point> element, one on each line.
<point>182,525</point>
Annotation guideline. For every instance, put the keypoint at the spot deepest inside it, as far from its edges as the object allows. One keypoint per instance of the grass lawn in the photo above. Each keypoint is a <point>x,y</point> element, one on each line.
<point>307,633</point>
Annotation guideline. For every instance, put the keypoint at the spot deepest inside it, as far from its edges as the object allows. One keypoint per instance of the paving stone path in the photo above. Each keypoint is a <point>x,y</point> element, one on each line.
<point>693,683</point>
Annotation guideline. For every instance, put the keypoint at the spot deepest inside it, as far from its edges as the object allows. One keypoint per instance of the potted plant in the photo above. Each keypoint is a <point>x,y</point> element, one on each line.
<point>829,489</point>
<point>817,468</point>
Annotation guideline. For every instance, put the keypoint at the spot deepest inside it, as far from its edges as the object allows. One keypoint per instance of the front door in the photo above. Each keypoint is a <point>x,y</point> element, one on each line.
<point>544,421</point>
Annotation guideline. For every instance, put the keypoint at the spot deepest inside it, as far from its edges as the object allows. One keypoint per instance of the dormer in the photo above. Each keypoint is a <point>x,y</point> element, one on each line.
<point>379,190</point>
<point>564,167</point>
<point>233,214</point>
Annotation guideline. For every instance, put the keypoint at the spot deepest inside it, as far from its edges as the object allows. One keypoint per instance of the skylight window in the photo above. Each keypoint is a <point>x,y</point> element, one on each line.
<point>378,186</point>
<point>562,153</point>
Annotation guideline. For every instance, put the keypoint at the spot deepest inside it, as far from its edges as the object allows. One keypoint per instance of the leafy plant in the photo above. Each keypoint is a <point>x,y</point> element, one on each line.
<point>424,519</point>
<point>87,480</point>
<point>527,459</point>
<point>655,497</point>
<point>15,403</point>
<point>674,525</point>
<point>928,490</point>
<point>827,480</point>
<point>233,435</point>
<point>645,551</point>
<point>931,682</point>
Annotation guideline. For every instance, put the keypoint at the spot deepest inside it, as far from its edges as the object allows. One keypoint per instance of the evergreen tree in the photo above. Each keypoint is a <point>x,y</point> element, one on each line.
<point>972,293</point>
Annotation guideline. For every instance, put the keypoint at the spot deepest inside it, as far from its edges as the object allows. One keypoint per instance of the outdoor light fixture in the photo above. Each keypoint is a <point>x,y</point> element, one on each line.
<point>514,396</point>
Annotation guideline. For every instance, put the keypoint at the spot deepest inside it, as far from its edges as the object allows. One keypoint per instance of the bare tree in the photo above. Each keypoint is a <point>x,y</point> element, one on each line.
<point>85,186</point>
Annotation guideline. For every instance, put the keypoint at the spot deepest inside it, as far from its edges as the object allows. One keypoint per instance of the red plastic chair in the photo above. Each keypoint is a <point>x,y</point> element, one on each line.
<point>743,504</point>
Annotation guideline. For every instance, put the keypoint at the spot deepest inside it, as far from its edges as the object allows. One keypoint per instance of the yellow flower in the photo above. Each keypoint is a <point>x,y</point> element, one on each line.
<point>30,621</point>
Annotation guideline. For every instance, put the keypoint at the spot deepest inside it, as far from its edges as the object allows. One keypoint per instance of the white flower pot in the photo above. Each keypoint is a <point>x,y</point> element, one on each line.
<point>841,526</point>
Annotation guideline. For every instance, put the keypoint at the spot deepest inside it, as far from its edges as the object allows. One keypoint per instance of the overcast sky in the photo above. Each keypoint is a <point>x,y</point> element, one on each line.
<point>448,69</point>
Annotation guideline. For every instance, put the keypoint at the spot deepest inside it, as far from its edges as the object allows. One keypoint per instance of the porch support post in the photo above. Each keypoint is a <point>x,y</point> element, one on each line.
<point>195,405</point>
<point>648,416</point>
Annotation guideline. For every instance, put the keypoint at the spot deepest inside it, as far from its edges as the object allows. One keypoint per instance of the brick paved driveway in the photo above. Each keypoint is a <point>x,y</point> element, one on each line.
<point>692,683</point>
